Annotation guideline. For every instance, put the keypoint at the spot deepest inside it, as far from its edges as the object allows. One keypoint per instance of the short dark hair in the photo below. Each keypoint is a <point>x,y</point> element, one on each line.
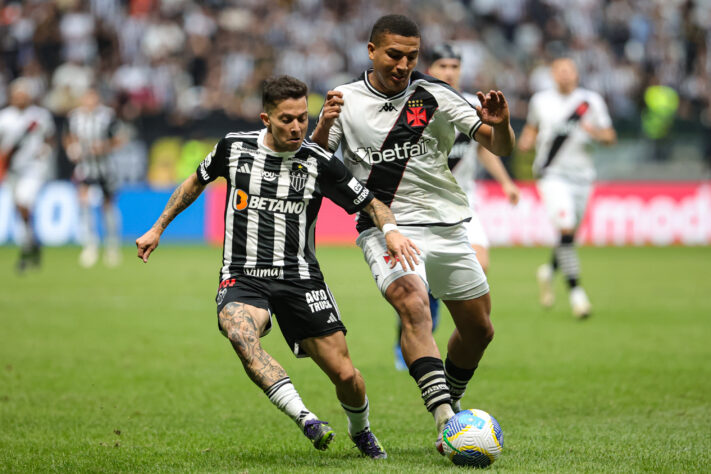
<point>280,88</point>
<point>393,24</point>
<point>445,51</point>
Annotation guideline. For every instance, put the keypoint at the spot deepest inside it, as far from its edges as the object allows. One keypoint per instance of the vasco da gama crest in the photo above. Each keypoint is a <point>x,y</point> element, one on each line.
<point>298,176</point>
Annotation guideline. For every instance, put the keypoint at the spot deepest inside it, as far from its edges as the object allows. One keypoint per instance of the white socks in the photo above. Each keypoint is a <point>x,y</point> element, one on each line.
<point>287,399</point>
<point>357,417</point>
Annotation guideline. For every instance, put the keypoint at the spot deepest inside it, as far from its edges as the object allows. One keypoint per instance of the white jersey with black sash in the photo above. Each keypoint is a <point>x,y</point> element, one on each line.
<point>562,145</point>
<point>272,203</point>
<point>398,146</point>
<point>23,135</point>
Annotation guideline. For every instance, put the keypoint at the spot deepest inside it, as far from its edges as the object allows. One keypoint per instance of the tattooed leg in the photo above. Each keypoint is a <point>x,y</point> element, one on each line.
<point>243,324</point>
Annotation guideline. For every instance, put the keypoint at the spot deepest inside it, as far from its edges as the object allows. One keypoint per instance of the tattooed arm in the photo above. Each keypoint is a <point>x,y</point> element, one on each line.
<point>182,197</point>
<point>400,248</point>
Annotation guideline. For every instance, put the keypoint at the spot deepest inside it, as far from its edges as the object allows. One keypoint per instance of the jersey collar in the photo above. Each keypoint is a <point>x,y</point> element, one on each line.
<point>376,92</point>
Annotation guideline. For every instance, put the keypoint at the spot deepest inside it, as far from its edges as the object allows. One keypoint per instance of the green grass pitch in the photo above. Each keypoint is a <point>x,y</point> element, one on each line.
<point>124,370</point>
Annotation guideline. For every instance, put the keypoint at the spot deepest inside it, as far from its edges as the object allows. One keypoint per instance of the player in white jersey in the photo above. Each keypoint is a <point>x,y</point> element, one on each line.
<point>396,128</point>
<point>26,138</point>
<point>562,123</point>
<point>445,65</point>
<point>91,137</point>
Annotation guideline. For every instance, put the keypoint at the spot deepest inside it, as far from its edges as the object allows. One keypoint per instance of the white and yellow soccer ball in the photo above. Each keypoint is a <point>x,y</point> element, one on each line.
<point>472,438</point>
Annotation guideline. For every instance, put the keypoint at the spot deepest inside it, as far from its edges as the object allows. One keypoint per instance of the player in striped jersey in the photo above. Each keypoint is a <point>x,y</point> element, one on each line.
<point>26,140</point>
<point>276,181</point>
<point>562,123</point>
<point>396,128</point>
<point>92,135</point>
<point>445,65</point>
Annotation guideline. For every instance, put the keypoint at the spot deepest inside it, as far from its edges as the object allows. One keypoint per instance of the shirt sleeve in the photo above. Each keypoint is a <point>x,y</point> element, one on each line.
<point>601,115</point>
<point>532,118</point>
<point>214,165</point>
<point>341,187</point>
<point>458,111</point>
<point>48,128</point>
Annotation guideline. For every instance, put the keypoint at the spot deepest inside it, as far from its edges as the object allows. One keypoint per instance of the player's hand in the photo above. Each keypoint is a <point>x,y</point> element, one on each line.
<point>494,110</point>
<point>513,194</point>
<point>147,243</point>
<point>331,108</point>
<point>401,249</point>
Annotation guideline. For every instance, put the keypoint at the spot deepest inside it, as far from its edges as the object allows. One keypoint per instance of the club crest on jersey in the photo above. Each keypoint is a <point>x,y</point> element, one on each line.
<point>416,114</point>
<point>298,176</point>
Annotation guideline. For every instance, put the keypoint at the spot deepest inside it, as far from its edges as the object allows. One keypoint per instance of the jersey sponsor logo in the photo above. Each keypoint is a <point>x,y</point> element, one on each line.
<point>355,185</point>
<point>269,176</point>
<point>228,283</point>
<point>298,176</point>
<point>269,272</point>
<point>317,300</point>
<point>387,107</point>
<point>241,200</point>
<point>398,152</point>
<point>361,197</point>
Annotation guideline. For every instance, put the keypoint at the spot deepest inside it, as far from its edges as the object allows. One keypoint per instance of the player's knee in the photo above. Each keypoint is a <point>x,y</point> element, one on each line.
<point>345,376</point>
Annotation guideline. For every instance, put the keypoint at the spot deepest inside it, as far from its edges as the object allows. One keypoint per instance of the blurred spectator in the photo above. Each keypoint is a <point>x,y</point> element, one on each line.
<point>186,60</point>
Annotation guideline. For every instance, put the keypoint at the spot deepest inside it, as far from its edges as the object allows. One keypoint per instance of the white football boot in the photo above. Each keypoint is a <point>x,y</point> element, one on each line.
<point>579,303</point>
<point>89,256</point>
<point>544,275</point>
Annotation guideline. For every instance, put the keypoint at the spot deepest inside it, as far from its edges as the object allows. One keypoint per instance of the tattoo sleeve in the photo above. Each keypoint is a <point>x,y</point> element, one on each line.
<point>380,213</point>
<point>182,197</point>
<point>242,331</point>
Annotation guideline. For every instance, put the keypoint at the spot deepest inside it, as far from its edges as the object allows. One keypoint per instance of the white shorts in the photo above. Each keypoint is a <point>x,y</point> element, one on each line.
<point>448,264</point>
<point>25,189</point>
<point>565,201</point>
<point>476,233</point>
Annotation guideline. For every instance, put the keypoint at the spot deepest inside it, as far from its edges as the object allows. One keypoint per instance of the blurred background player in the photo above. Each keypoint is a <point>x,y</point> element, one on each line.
<point>562,122</point>
<point>92,136</point>
<point>26,139</point>
<point>445,65</point>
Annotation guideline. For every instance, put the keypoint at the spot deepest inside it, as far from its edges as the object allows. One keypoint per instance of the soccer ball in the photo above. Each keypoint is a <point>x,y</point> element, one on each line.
<point>472,438</point>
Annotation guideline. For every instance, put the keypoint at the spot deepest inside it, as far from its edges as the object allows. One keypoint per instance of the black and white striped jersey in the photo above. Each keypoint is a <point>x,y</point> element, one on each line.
<point>398,146</point>
<point>272,203</point>
<point>91,127</point>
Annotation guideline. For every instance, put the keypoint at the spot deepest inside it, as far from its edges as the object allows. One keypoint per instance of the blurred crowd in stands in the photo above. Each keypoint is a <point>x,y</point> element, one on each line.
<point>185,58</point>
<point>193,69</point>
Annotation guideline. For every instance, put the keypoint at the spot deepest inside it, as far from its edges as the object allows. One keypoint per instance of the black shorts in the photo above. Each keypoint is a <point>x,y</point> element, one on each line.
<point>303,308</point>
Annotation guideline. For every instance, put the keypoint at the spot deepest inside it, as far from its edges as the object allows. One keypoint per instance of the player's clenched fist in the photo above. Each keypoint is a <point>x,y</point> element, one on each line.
<point>332,107</point>
<point>147,243</point>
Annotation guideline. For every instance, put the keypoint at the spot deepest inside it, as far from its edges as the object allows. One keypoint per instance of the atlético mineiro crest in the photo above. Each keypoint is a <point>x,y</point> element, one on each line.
<point>416,113</point>
<point>298,176</point>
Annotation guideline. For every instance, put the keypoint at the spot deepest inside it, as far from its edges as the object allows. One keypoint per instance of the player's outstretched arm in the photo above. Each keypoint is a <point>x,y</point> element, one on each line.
<point>527,140</point>
<point>184,195</point>
<point>496,133</point>
<point>496,168</point>
<point>400,248</point>
<point>329,114</point>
